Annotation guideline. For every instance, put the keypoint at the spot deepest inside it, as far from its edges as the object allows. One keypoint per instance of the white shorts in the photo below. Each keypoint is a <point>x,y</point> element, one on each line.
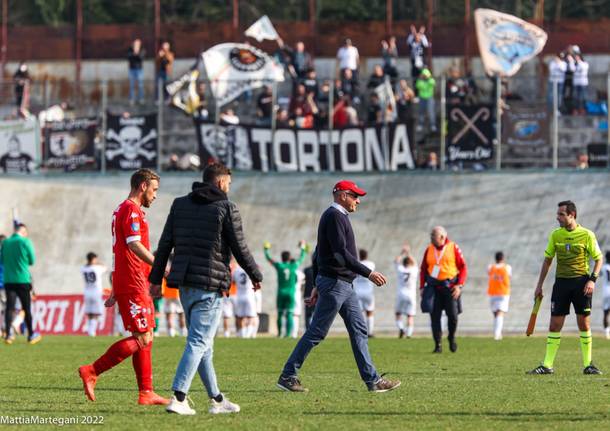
<point>172,306</point>
<point>607,303</point>
<point>406,305</point>
<point>258,297</point>
<point>245,306</point>
<point>499,303</point>
<point>367,302</point>
<point>94,304</point>
<point>227,307</point>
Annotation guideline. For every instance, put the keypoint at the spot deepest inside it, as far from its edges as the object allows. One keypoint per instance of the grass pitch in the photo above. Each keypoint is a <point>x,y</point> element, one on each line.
<point>482,386</point>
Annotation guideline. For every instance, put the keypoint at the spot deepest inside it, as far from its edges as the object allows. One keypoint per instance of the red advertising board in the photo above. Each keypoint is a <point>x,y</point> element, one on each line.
<point>65,315</point>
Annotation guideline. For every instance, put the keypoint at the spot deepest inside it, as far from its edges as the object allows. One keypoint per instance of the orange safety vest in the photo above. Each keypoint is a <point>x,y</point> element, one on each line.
<point>444,258</point>
<point>499,280</point>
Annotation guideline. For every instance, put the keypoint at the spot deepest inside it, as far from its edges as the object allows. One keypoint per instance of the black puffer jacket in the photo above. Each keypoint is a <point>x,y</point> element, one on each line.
<point>203,228</point>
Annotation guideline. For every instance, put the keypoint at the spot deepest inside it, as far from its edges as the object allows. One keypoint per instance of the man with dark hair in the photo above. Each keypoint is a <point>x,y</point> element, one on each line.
<point>130,290</point>
<point>574,246</point>
<point>17,255</point>
<point>498,290</point>
<point>286,286</point>
<point>203,228</point>
<point>93,296</point>
<point>335,266</point>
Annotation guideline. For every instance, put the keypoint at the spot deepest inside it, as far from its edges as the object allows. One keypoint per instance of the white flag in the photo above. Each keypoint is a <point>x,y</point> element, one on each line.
<point>233,68</point>
<point>262,29</point>
<point>506,42</point>
<point>386,98</point>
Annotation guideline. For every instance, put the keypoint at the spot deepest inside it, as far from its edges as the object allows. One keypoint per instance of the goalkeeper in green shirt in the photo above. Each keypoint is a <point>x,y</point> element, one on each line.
<point>286,285</point>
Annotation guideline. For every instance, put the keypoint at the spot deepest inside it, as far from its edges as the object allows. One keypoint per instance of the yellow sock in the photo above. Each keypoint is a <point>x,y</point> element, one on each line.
<point>586,346</point>
<point>552,345</point>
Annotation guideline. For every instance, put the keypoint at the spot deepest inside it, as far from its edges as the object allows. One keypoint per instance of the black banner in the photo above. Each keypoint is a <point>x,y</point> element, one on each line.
<point>131,142</point>
<point>598,155</point>
<point>470,133</point>
<point>70,143</point>
<point>358,149</point>
<point>525,131</point>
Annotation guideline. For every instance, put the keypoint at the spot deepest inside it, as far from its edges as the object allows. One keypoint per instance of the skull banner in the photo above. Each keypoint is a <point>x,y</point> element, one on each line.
<point>131,142</point>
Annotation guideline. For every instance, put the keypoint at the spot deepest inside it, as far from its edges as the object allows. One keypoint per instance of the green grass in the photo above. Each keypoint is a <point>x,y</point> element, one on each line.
<point>482,386</point>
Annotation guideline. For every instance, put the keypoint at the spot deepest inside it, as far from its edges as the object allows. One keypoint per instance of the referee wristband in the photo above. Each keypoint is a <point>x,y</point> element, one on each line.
<point>593,277</point>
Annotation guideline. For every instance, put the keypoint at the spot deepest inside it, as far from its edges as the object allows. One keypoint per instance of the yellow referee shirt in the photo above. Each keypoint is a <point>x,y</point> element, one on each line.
<point>574,249</point>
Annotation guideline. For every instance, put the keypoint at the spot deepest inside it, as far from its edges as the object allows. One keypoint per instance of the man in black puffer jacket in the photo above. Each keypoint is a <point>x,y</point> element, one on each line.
<point>203,228</point>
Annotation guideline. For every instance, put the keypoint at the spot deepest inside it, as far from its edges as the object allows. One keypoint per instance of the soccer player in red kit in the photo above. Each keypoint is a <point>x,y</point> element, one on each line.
<point>131,264</point>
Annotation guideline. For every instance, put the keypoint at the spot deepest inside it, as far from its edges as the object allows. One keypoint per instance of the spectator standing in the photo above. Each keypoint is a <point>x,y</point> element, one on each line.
<point>135,56</point>
<point>374,111</point>
<point>264,107</point>
<point>418,43</point>
<point>404,102</point>
<point>425,86</point>
<point>301,61</point>
<point>581,83</point>
<point>557,73</point>
<point>17,255</point>
<point>457,87</point>
<point>377,78</point>
<point>389,53</point>
<point>442,277</point>
<point>164,63</point>
<point>348,58</point>
<point>349,85</point>
<point>22,80</point>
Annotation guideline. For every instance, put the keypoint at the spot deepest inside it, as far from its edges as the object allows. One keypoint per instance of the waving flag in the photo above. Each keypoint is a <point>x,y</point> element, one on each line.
<point>506,42</point>
<point>262,29</point>
<point>233,68</point>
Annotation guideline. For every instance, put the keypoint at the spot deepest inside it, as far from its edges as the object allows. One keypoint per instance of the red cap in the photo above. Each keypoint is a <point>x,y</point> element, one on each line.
<point>348,186</point>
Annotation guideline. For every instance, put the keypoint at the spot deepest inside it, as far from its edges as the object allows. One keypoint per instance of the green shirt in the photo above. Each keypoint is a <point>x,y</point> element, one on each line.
<point>425,88</point>
<point>17,254</point>
<point>573,249</point>
<point>287,272</point>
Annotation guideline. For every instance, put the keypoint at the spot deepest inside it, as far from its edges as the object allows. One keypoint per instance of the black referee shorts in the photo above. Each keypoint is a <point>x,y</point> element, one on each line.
<point>568,291</point>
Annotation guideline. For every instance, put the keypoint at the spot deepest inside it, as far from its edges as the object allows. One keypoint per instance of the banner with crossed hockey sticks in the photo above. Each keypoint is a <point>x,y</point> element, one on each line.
<point>131,142</point>
<point>470,133</point>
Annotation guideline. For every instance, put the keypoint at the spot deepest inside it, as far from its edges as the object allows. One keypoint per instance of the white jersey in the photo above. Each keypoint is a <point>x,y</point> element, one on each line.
<point>407,280</point>
<point>93,279</point>
<point>605,275</point>
<point>243,283</point>
<point>348,57</point>
<point>364,286</point>
<point>298,293</point>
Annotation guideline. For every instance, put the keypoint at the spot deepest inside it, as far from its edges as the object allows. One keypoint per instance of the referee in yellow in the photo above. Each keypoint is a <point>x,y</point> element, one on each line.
<point>574,246</point>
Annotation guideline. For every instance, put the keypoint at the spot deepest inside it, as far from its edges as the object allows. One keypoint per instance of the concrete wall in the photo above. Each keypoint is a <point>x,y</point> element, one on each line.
<point>514,212</point>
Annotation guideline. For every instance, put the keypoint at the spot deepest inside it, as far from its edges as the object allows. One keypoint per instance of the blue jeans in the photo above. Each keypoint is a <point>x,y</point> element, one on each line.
<point>580,94</point>
<point>549,94</point>
<point>136,76</point>
<point>335,296</point>
<point>202,311</point>
<point>427,109</point>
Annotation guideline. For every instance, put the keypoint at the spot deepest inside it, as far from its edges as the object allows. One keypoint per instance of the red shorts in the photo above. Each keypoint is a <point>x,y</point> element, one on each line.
<point>137,311</point>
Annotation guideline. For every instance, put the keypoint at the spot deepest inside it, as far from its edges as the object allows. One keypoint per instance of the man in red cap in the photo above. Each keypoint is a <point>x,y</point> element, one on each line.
<point>335,266</point>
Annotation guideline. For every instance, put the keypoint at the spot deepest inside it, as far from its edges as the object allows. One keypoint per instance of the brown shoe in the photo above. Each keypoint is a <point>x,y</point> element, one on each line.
<point>290,384</point>
<point>384,385</point>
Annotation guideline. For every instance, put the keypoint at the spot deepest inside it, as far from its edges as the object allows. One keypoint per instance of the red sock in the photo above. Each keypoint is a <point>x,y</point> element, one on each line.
<point>142,365</point>
<point>116,354</point>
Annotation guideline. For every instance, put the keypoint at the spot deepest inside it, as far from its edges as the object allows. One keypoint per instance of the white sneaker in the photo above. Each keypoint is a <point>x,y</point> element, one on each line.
<point>225,406</point>
<point>180,407</point>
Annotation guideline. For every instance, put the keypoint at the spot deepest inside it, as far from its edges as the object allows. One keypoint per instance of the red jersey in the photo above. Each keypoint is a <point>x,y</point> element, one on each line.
<point>129,272</point>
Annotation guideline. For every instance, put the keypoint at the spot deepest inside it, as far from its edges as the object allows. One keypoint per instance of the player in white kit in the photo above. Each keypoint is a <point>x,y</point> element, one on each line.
<point>298,303</point>
<point>605,274</point>
<point>245,304</point>
<point>407,272</point>
<point>94,303</point>
<point>364,289</point>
